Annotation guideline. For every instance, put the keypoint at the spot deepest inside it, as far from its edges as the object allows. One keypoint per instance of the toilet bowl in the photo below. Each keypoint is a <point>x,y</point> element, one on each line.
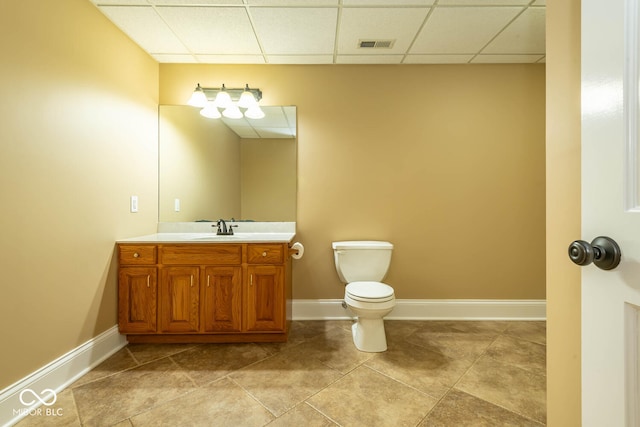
<point>370,302</point>
<point>361,265</point>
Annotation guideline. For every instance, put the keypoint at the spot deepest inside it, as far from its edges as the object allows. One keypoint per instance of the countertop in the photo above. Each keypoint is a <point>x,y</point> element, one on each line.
<point>280,237</point>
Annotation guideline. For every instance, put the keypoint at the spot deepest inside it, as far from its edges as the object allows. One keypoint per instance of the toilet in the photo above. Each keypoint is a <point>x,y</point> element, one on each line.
<point>362,265</point>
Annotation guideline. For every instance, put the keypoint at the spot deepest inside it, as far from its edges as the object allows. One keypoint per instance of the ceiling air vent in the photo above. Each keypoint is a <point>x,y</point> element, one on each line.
<point>376,44</point>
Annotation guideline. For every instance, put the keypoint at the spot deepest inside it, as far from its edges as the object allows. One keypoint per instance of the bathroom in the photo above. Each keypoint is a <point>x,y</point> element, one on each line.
<point>450,176</point>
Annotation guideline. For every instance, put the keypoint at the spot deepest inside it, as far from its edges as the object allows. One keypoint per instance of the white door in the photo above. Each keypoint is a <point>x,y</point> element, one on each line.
<point>610,207</point>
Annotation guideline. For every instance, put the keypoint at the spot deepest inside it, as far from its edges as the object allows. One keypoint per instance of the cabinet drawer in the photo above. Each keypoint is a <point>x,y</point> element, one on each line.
<point>265,254</point>
<point>137,254</point>
<point>195,254</point>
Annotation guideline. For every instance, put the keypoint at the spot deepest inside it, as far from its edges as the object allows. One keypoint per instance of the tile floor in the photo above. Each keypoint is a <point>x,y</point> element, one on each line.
<point>435,373</point>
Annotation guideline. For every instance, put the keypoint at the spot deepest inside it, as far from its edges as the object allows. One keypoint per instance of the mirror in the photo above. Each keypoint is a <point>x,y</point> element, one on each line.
<point>227,168</point>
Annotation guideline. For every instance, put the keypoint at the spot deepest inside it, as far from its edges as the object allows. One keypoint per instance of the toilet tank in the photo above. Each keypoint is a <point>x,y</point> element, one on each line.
<point>362,260</point>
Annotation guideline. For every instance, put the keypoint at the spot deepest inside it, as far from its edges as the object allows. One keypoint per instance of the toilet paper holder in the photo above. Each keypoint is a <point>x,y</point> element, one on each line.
<point>296,250</point>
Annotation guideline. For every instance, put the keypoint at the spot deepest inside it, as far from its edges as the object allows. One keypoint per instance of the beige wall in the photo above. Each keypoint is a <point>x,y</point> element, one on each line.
<point>200,164</point>
<point>78,137</point>
<point>563,213</point>
<point>446,162</point>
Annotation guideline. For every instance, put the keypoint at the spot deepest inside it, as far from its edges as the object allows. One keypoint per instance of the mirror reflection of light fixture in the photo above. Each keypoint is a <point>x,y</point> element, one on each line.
<point>232,112</point>
<point>210,111</point>
<point>229,100</point>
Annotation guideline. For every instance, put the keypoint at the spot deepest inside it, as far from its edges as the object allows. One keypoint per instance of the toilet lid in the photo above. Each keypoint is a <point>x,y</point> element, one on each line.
<point>369,291</point>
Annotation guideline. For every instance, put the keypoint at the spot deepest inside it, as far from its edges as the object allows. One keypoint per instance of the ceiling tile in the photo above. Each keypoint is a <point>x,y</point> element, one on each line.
<point>437,59</point>
<point>483,2</point>
<point>462,29</point>
<point>145,27</point>
<point>506,59</point>
<point>169,58</point>
<point>369,59</point>
<point>300,59</point>
<point>392,3</point>
<point>230,59</point>
<point>267,132</point>
<point>400,25</point>
<point>293,2</point>
<point>525,35</point>
<point>212,30</point>
<point>121,2</point>
<point>285,31</point>
<point>195,2</point>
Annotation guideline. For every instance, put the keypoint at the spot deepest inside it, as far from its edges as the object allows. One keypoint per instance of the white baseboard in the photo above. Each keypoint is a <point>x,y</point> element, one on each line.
<point>420,309</point>
<point>57,375</point>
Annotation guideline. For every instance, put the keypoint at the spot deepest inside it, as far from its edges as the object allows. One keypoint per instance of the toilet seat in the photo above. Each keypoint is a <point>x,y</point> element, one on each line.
<point>373,292</point>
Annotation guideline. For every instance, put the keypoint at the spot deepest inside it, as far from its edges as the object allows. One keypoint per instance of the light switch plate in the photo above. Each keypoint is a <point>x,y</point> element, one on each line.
<point>134,203</point>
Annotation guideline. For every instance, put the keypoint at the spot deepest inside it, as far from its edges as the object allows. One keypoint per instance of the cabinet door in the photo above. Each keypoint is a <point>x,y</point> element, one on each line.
<point>222,299</point>
<point>179,299</point>
<point>137,303</point>
<point>265,298</point>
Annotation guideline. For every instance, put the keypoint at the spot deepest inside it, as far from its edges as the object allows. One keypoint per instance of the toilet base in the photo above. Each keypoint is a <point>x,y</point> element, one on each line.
<point>369,335</point>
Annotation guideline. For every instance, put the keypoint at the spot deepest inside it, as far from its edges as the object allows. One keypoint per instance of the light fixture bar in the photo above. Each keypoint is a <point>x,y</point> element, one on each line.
<point>234,93</point>
<point>228,100</point>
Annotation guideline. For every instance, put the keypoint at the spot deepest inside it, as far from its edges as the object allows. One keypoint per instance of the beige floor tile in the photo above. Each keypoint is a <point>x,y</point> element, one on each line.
<point>485,327</point>
<point>365,397</point>
<point>334,348</point>
<point>118,362</point>
<point>523,354</point>
<point>454,344</point>
<point>462,409</point>
<point>117,397</point>
<point>302,415</point>
<point>430,372</point>
<point>221,403</point>
<point>144,353</point>
<point>318,378</point>
<point>508,386</point>
<point>284,380</point>
<point>530,331</point>
<point>209,362</point>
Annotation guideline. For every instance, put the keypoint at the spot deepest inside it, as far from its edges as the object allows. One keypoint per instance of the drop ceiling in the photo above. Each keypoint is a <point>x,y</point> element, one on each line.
<point>333,31</point>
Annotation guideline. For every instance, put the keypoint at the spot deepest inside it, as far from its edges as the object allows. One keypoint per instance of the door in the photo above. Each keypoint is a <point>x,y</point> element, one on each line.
<point>137,287</point>
<point>611,207</point>
<point>222,300</point>
<point>265,299</point>
<point>179,299</point>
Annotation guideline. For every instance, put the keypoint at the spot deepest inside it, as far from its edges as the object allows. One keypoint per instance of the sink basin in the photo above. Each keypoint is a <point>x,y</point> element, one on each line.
<point>214,236</point>
<point>242,237</point>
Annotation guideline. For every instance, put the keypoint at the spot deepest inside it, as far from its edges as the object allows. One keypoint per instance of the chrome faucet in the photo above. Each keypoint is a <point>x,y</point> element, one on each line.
<point>223,230</point>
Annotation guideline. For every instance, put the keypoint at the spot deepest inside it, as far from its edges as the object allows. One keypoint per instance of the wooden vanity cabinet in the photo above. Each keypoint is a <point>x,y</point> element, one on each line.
<point>137,288</point>
<point>220,292</point>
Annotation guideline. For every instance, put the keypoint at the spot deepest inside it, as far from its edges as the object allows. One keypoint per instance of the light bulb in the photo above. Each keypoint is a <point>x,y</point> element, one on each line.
<point>223,99</point>
<point>247,100</point>
<point>198,98</point>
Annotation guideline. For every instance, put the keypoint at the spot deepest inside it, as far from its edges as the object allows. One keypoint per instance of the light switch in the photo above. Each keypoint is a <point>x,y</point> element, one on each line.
<point>176,205</point>
<point>134,203</point>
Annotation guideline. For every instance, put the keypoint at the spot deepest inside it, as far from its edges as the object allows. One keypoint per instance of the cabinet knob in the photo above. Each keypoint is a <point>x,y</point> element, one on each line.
<point>264,254</point>
<point>136,255</point>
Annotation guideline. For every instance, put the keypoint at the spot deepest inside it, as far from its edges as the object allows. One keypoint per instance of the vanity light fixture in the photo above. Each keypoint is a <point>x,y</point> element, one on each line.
<point>229,100</point>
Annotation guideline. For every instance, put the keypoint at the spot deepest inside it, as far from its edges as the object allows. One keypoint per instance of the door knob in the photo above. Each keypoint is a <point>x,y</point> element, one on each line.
<point>603,251</point>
